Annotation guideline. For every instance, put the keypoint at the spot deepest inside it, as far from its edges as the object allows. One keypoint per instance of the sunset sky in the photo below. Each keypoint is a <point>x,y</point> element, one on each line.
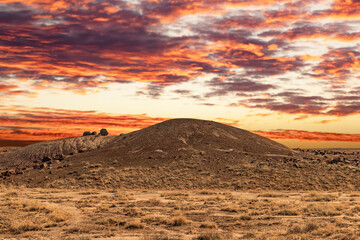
<point>287,70</point>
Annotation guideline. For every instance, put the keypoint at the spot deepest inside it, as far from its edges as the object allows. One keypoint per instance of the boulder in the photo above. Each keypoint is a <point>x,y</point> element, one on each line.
<point>86,133</point>
<point>18,171</point>
<point>94,133</point>
<point>43,165</point>
<point>46,159</point>
<point>104,132</point>
<point>59,157</point>
<point>81,150</point>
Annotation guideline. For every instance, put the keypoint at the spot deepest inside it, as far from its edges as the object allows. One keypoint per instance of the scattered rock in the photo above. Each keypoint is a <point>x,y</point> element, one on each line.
<point>81,150</point>
<point>104,132</point>
<point>46,159</point>
<point>56,161</point>
<point>59,157</point>
<point>18,171</point>
<point>43,165</point>
<point>86,133</point>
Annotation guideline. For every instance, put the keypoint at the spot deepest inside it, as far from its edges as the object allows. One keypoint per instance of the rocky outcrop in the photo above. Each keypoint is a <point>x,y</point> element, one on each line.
<point>104,132</point>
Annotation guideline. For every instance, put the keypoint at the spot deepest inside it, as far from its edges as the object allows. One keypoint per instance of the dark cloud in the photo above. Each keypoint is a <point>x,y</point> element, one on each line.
<point>233,85</point>
<point>338,64</point>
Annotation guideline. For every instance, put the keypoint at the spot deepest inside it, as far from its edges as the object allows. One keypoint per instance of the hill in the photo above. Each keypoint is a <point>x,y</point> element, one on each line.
<point>180,153</point>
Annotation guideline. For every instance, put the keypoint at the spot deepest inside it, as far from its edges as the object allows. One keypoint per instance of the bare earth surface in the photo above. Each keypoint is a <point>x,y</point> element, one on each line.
<point>206,214</point>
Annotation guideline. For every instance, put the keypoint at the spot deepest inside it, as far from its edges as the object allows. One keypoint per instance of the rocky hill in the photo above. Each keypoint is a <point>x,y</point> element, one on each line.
<point>180,153</point>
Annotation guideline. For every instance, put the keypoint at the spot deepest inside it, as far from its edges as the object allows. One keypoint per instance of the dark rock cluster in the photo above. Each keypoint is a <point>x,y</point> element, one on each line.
<point>103,132</point>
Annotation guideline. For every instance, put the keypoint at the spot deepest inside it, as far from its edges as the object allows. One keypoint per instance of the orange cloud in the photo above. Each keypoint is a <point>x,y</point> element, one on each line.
<point>38,124</point>
<point>310,136</point>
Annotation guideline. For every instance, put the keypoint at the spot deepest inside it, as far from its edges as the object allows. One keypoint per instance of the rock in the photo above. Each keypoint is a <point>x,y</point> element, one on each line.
<point>81,150</point>
<point>6,173</point>
<point>334,161</point>
<point>36,166</point>
<point>56,162</point>
<point>104,132</point>
<point>18,171</point>
<point>86,133</point>
<point>296,165</point>
<point>43,165</point>
<point>46,159</point>
<point>59,157</point>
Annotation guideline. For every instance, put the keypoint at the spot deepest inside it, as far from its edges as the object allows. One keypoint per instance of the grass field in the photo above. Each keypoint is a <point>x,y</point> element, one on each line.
<point>27,213</point>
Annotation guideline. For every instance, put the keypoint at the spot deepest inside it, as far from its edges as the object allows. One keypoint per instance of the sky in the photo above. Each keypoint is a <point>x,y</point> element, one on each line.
<point>287,70</point>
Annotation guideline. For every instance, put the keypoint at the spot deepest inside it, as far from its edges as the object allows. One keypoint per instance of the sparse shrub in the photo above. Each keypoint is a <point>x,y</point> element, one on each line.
<point>306,229</point>
<point>33,206</point>
<point>316,197</point>
<point>58,215</point>
<point>154,202</point>
<point>178,221</point>
<point>245,217</point>
<point>288,212</point>
<point>209,236</point>
<point>232,209</point>
<point>248,235</point>
<point>81,229</point>
<point>272,195</point>
<point>310,227</point>
<point>321,210</point>
<point>210,225</point>
<point>206,192</point>
<point>295,230</point>
<point>11,194</point>
<point>213,236</point>
<point>18,227</point>
<point>112,222</point>
<point>136,224</point>
<point>133,212</point>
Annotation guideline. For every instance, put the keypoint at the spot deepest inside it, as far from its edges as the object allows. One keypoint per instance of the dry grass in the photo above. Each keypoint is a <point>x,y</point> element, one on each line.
<point>88,214</point>
<point>135,224</point>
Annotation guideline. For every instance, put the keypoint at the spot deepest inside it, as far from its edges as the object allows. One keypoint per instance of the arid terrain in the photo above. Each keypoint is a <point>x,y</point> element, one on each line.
<point>179,179</point>
<point>191,214</point>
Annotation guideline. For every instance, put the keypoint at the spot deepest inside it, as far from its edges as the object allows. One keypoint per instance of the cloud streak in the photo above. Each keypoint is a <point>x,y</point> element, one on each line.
<point>37,124</point>
<point>309,136</point>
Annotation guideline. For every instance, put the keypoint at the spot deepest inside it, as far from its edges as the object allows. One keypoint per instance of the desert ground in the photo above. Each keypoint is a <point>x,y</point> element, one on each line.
<point>180,179</point>
<point>28,213</point>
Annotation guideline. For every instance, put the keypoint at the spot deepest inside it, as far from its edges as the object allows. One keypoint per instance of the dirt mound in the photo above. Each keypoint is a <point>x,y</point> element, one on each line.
<point>198,135</point>
<point>67,146</point>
